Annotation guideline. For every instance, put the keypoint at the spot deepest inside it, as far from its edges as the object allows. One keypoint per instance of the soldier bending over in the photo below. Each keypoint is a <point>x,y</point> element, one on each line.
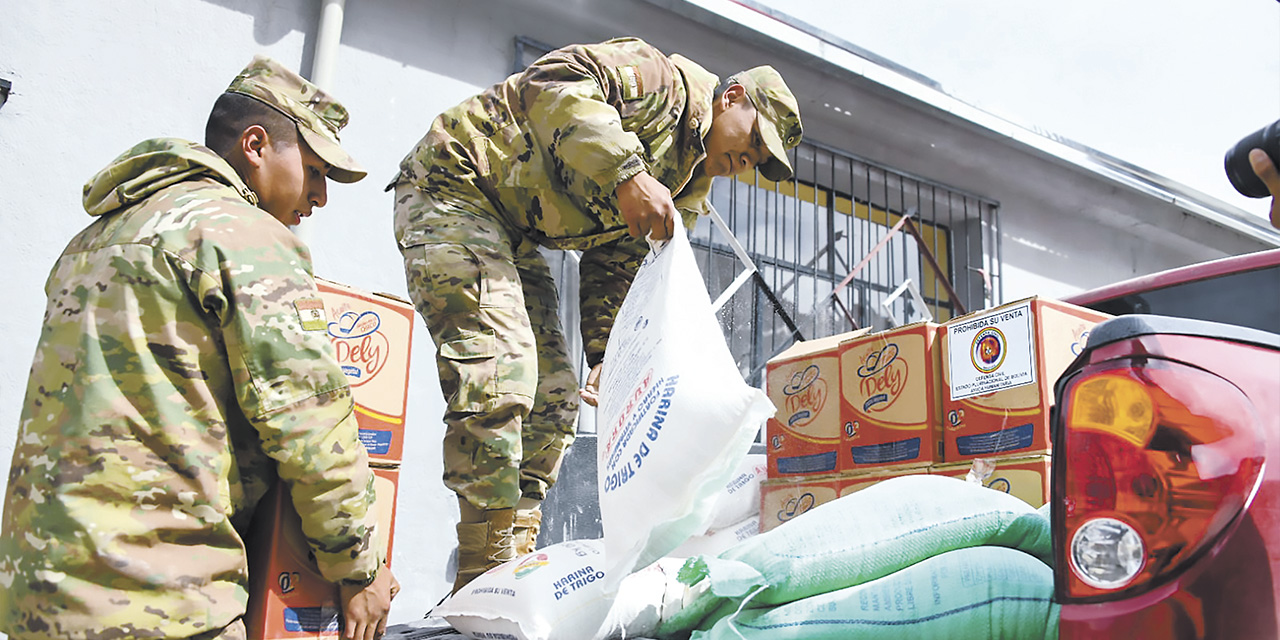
<point>591,148</point>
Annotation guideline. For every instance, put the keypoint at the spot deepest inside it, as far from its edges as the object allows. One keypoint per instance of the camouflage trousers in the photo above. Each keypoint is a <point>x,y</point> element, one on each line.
<point>234,631</point>
<point>492,308</point>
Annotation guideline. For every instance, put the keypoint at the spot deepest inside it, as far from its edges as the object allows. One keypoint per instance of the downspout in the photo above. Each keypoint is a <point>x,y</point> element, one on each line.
<point>328,36</point>
<point>324,59</point>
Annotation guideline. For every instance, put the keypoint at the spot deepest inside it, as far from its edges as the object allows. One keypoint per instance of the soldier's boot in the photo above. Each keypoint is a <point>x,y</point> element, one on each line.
<point>484,541</point>
<point>527,524</point>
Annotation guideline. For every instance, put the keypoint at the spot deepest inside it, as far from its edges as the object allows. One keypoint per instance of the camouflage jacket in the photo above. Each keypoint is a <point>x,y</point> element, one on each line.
<point>176,374</point>
<point>547,148</point>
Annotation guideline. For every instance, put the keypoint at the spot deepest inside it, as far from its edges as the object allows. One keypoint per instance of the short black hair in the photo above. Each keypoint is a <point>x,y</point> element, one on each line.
<point>234,112</point>
<point>720,89</point>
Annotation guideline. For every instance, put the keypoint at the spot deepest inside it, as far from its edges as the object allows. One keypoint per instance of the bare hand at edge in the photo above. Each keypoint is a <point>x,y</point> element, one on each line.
<point>364,609</point>
<point>590,392</point>
<point>647,207</point>
<point>1265,169</point>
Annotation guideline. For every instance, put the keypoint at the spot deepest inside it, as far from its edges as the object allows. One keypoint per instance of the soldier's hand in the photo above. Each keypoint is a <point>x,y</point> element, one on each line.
<point>590,392</point>
<point>364,609</point>
<point>1270,175</point>
<point>647,207</point>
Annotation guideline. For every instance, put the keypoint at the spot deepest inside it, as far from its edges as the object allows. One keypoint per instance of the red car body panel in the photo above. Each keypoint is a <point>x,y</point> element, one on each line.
<point>1233,589</point>
<point>1202,271</point>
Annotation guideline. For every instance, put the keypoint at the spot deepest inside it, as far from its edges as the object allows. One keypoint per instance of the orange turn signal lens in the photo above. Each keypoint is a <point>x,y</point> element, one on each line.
<point>1114,404</point>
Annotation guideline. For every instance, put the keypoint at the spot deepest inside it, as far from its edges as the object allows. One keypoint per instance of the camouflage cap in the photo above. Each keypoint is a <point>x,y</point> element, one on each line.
<point>777,115</point>
<point>318,114</point>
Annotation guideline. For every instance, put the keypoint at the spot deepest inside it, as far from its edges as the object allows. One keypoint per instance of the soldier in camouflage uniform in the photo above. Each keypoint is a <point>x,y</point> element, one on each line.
<point>183,365</point>
<point>591,148</point>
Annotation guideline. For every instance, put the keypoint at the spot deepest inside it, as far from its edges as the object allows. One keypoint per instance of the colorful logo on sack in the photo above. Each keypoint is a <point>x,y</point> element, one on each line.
<point>988,350</point>
<point>806,394</point>
<point>1000,484</point>
<point>883,376</point>
<point>797,506</point>
<point>362,348</point>
<point>531,564</point>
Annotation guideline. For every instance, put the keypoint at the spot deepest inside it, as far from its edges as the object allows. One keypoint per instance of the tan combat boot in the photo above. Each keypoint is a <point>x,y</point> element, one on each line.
<point>484,541</point>
<point>527,524</point>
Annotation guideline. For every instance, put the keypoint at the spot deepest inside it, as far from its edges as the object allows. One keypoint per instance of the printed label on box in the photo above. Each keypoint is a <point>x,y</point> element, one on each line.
<point>311,620</point>
<point>375,441</point>
<point>810,464</point>
<point>806,396</point>
<point>362,348</point>
<point>887,452</point>
<point>992,352</point>
<point>784,501</point>
<point>371,336</point>
<point>1011,439</point>
<point>288,598</point>
<point>881,377</point>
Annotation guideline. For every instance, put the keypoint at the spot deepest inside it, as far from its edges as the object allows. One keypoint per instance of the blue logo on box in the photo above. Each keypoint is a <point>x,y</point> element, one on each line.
<point>888,452</point>
<point>377,442</point>
<point>1011,439</point>
<point>311,620</point>
<point>816,463</point>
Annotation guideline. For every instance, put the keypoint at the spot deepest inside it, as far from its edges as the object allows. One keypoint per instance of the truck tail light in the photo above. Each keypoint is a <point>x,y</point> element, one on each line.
<point>1157,460</point>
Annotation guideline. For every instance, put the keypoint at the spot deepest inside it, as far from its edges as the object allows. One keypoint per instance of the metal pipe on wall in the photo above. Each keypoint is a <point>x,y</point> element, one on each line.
<point>328,36</point>
<point>324,59</point>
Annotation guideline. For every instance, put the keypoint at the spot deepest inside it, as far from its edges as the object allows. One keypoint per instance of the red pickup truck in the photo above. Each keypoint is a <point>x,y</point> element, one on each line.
<point>1166,458</point>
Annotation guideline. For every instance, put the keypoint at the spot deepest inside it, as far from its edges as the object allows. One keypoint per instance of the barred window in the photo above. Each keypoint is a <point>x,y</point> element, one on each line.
<point>833,253</point>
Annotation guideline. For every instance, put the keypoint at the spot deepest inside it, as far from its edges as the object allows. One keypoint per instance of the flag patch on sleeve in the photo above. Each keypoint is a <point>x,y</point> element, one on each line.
<point>311,314</point>
<point>632,86</point>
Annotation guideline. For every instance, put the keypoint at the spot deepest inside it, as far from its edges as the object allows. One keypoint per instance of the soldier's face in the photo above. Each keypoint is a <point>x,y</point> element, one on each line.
<point>733,144</point>
<point>292,182</point>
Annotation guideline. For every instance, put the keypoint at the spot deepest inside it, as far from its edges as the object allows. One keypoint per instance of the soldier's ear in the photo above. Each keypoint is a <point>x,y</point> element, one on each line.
<point>734,93</point>
<point>253,141</point>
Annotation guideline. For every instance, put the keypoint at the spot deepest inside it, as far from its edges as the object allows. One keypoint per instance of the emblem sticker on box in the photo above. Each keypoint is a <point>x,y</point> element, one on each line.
<point>999,353</point>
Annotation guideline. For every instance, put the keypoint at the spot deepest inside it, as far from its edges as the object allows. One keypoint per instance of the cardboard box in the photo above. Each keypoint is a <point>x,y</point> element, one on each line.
<point>890,400</point>
<point>850,483</point>
<point>783,499</point>
<point>288,598</point>
<point>803,438</point>
<point>372,334</point>
<point>1026,478</point>
<point>998,371</point>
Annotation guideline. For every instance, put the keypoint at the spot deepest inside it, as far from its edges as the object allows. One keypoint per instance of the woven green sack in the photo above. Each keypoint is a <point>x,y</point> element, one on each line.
<point>859,538</point>
<point>979,593</point>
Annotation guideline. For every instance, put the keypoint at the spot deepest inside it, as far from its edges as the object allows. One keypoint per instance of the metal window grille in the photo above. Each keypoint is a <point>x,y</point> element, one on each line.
<point>841,216</point>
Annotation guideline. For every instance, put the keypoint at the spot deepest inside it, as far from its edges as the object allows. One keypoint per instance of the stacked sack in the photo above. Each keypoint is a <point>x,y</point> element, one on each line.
<point>735,515</point>
<point>918,556</point>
